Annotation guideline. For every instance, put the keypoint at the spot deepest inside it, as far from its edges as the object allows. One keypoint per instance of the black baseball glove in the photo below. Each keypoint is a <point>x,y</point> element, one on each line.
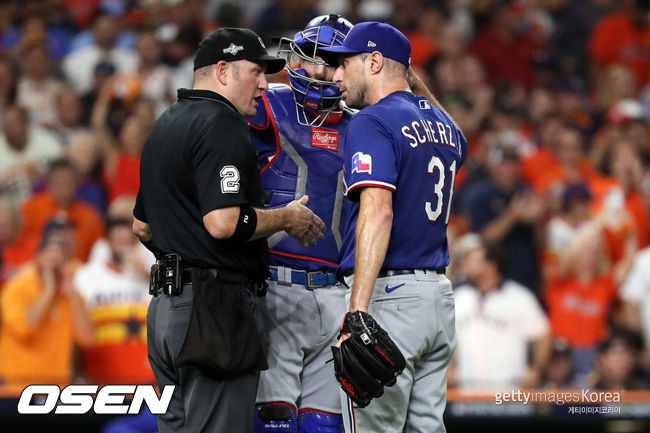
<point>368,360</point>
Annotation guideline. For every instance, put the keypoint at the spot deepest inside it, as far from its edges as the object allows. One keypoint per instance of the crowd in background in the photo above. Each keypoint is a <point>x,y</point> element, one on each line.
<point>550,229</point>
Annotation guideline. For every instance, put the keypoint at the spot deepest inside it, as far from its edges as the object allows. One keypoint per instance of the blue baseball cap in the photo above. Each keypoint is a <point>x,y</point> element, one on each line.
<point>373,36</point>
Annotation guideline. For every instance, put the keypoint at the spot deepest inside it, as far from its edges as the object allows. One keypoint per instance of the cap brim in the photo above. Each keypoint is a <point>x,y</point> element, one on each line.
<point>340,49</point>
<point>274,64</point>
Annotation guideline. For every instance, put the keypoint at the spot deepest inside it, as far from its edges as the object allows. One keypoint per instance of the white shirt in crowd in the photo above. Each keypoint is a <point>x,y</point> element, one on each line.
<point>79,66</point>
<point>18,168</point>
<point>636,288</point>
<point>102,285</point>
<point>493,333</point>
<point>101,253</point>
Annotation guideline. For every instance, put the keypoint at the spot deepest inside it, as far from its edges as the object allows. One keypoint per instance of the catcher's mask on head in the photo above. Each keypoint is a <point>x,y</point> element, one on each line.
<point>315,99</point>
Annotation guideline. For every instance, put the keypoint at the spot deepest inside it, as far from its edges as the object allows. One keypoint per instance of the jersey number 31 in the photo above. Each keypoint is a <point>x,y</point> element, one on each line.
<point>436,164</point>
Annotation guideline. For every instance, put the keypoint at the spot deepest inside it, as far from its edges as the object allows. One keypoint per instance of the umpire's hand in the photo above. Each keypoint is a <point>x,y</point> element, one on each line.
<point>302,223</point>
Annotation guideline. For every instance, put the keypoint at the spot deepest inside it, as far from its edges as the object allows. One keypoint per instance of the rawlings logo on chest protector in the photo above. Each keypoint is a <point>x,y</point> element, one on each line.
<point>325,138</point>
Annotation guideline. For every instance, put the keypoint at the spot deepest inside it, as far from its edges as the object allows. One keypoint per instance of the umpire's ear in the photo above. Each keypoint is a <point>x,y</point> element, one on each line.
<point>222,72</point>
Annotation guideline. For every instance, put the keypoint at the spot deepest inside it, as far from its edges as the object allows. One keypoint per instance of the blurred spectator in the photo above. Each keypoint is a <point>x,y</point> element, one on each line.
<point>78,66</point>
<point>479,95</point>
<point>574,21</point>
<point>8,83</point>
<point>41,318</point>
<point>180,53</point>
<point>617,364</point>
<point>582,293</point>
<point>627,170</point>
<point>622,37</point>
<point>46,20</point>
<point>116,293</point>
<point>122,160</point>
<point>284,18</point>
<point>156,78</point>
<point>122,209</point>
<point>506,213</point>
<point>635,294</point>
<point>228,13</point>
<point>69,115</point>
<point>616,83</point>
<point>61,230</point>
<point>496,320</point>
<point>16,248</point>
<point>423,38</point>
<point>84,153</point>
<point>25,151</point>
<point>60,199</point>
<point>564,161</point>
<point>81,12</point>
<point>574,213</point>
<point>101,75</point>
<point>37,88</point>
<point>507,49</point>
<point>572,105</point>
<point>121,154</point>
<point>625,121</point>
<point>559,370</point>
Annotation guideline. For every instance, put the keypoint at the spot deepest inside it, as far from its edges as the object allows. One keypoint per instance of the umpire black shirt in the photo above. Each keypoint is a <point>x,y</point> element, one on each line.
<point>198,158</point>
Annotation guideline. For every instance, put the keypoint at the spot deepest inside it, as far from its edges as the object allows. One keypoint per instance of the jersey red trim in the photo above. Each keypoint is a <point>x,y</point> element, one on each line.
<point>277,403</point>
<point>317,410</point>
<point>371,185</point>
<point>268,118</point>
<point>296,256</point>
<point>271,119</point>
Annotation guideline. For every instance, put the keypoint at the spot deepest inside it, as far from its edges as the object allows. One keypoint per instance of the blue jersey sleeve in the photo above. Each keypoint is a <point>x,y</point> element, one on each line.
<point>370,158</point>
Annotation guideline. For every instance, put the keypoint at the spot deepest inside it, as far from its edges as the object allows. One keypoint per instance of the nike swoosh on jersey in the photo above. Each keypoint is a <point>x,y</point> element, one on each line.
<point>390,289</point>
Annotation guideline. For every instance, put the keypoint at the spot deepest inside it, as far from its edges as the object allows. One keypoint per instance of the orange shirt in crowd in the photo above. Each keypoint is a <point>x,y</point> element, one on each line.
<point>423,48</point>
<point>636,222</point>
<point>89,226</point>
<point>635,205</point>
<point>16,255</point>
<point>616,40</point>
<point>117,300</point>
<point>41,354</point>
<point>542,169</point>
<point>126,180</point>
<point>578,311</point>
<point>117,356</point>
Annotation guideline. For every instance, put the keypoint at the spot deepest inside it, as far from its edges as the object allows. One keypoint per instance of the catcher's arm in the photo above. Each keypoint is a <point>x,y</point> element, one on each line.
<point>372,235</point>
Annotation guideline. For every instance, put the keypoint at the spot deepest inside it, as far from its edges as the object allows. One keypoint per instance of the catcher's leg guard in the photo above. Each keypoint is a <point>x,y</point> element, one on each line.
<point>317,421</point>
<point>275,417</point>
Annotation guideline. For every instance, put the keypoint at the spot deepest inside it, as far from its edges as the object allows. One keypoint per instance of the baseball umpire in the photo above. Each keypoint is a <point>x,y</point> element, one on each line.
<point>298,133</point>
<point>199,209</point>
<point>401,158</point>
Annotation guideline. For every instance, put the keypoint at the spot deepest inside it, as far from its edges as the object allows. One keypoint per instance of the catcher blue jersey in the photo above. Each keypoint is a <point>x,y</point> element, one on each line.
<point>405,145</point>
<point>296,160</point>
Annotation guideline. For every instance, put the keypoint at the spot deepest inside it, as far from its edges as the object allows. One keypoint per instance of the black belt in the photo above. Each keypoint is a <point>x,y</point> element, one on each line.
<point>256,287</point>
<point>393,272</point>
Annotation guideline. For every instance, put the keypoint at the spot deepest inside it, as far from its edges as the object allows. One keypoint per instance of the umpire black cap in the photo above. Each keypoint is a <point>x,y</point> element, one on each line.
<point>231,44</point>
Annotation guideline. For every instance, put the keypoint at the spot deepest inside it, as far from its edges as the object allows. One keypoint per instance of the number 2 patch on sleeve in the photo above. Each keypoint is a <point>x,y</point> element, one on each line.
<point>229,179</point>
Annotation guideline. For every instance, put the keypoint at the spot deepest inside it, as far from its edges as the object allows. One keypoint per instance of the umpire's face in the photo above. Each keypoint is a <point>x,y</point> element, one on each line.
<point>248,82</point>
<point>350,76</point>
